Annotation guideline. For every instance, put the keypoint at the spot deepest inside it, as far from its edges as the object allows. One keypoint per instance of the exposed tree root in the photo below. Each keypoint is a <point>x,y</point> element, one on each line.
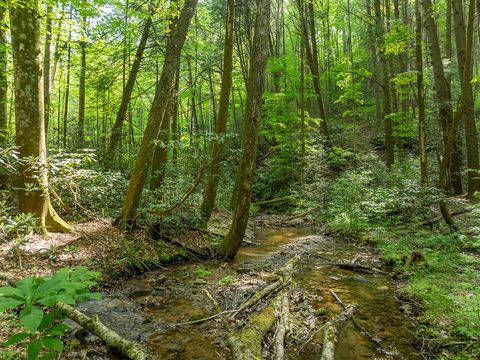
<point>126,347</point>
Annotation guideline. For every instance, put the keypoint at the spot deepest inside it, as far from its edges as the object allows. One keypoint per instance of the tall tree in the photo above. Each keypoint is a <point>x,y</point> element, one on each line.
<point>387,95</point>
<point>163,93</point>
<point>33,194</point>
<point>308,32</point>
<point>46,66</point>
<point>256,82</point>
<point>422,138</point>
<point>128,89</point>
<point>218,145</point>
<point>443,95</point>
<point>471,140</point>
<point>3,87</point>
<point>81,85</point>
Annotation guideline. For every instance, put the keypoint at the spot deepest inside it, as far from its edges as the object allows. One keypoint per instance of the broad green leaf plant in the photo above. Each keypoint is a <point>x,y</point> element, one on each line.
<point>34,299</point>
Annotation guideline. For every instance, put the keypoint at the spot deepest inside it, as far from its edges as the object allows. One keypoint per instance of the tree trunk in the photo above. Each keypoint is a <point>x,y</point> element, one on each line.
<point>3,89</point>
<point>387,99</point>
<point>256,83</point>
<point>163,93</point>
<point>443,95</point>
<point>422,138</point>
<point>127,91</point>
<point>30,124</point>
<point>67,90</point>
<point>462,105</point>
<point>46,67</point>
<point>81,89</point>
<point>175,130</point>
<point>309,41</point>
<point>471,141</point>
<point>218,146</point>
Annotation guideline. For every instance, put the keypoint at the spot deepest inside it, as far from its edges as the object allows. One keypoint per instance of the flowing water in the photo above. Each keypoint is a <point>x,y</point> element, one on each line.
<point>146,308</point>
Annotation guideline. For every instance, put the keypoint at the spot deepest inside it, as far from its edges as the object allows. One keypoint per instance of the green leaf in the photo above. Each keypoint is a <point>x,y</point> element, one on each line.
<point>11,291</point>
<point>67,299</point>
<point>47,320</point>
<point>31,318</point>
<point>7,303</point>
<point>58,329</point>
<point>16,338</point>
<point>53,344</point>
<point>33,349</point>
<point>48,300</point>
<point>49,356</point>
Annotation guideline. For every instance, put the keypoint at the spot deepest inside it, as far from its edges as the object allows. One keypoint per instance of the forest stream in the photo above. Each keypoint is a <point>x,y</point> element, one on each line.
<point>148,307</point>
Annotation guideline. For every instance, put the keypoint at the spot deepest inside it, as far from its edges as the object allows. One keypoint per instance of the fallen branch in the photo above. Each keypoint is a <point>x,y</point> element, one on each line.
<point>440,217</point>
<point>206,318</point>
<point>347,265</point>
<point>248,344</point>
<point>126,347</point>
<point>184,198</point>
<point>283,327</point>
<point>303,214</point>
<point>273,201</point>
<point>285,275</point>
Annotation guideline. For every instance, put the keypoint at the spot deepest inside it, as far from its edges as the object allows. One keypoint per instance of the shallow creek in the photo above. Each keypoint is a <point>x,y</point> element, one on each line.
<point>145,308</point>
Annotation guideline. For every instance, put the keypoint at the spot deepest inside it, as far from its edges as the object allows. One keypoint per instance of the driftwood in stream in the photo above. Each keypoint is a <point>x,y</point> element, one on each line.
<point>331,329</point>
<point>283,315</point>
<point>284,278</point>
<point>92,324</point>
<point>247,345</point>
<point>351,265</point>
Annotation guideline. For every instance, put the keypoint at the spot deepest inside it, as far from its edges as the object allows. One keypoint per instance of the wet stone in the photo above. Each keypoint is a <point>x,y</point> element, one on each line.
<point>139,292</point>
<point>199,282</point>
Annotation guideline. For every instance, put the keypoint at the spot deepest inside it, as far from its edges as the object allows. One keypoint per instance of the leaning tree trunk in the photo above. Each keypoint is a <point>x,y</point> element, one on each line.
<point>471,141</point>
<point>246,169</point>
<point>443,95</point>
<point>30,125</point>
<point>163,93</point>
<point>210,192</point>
<point>127,91</point>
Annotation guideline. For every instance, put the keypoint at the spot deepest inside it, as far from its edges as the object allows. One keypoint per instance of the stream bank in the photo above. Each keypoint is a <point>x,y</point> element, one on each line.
<point>152,307</point>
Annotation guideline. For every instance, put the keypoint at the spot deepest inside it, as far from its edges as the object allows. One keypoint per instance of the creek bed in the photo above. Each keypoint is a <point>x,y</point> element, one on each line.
<point>146,308</point>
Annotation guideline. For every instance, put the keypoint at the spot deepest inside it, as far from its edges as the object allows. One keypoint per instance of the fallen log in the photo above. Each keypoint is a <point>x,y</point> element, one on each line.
<point>283,327</point>
<point>351,265</point>
<point>285,276</point>
<point>247,345</point>
<point>309,211</point>
<point>93,324</point>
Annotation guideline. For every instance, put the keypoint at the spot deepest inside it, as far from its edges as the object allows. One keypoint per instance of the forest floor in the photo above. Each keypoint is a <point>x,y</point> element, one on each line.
<point>433,276</point>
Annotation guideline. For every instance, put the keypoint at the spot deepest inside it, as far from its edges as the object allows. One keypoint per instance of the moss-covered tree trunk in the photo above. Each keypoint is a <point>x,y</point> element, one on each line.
<point>30,126</point>
<point>210,193</point>
<point>81,87</point>
<point>46,66</point>
<point>158,111</point>
<point>246,169</point>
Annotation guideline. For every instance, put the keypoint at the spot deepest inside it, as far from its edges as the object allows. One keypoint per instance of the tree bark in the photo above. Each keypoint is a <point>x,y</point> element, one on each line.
<point>3,88</point>
<point>46,67</point>
<point>163,94</point>
<point>471,141</point>
<point>67,88</point>
<point>30,124</point>
<point>81,88</point>
<point>443,95</point>
<point>246,169</point>
<point>210,193</point>
<point>387,97</point>
<point>422,138</point>
<point>452,134</point>
<point>127,91</point>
